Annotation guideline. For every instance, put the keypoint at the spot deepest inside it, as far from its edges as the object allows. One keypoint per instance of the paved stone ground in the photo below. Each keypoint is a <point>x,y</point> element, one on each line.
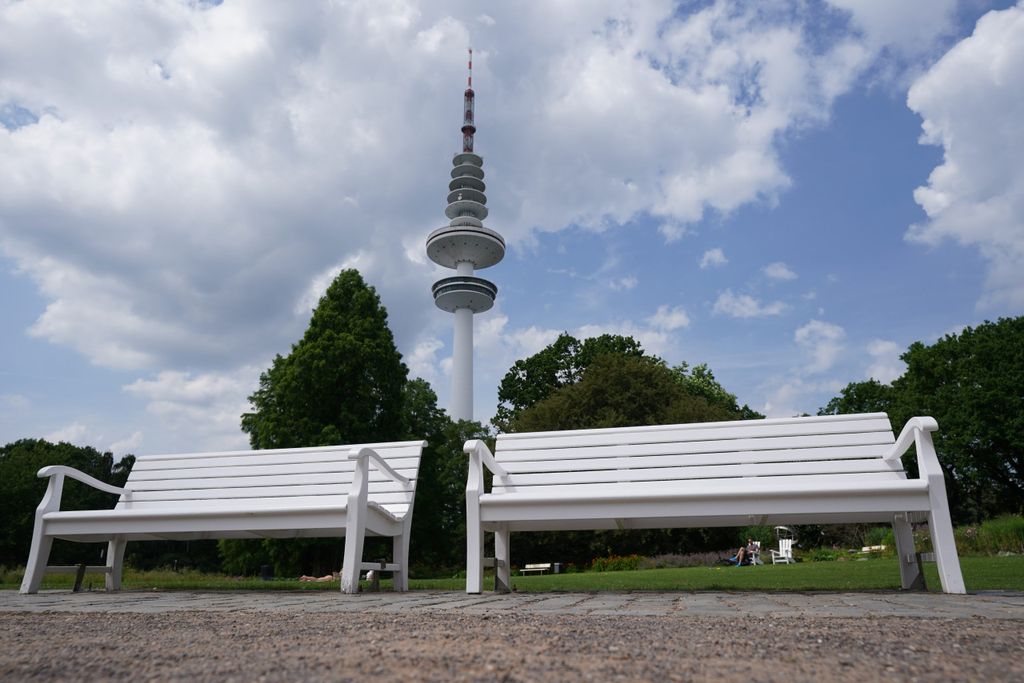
<point>449,636</point>
<point>991,605</point>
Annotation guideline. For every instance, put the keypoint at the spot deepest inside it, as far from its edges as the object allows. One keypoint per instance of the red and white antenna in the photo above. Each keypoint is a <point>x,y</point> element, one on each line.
<point>468,125</point>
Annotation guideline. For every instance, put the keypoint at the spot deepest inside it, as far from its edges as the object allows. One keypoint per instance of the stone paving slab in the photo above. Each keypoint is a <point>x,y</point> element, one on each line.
<point>781,605</point>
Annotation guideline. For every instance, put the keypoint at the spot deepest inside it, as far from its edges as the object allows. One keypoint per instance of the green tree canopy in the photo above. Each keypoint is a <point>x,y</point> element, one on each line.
<point>620,391</point>
<point>972,383</point>
<point>341,383</point>
<point>559,364</point>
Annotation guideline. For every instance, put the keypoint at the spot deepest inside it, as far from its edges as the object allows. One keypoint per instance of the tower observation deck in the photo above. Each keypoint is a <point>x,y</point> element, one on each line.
<point>465,245</point>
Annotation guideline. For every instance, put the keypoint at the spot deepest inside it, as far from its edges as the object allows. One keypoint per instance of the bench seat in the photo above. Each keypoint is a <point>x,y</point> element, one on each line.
<point>812,470</point>
<point>333,492</point>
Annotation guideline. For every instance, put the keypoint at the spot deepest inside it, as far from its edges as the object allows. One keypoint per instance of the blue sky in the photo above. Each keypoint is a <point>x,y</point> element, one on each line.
<point>790,192</point>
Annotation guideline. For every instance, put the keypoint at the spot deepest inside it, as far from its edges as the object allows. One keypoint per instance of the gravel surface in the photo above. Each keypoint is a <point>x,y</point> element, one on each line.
<point>251,646</point>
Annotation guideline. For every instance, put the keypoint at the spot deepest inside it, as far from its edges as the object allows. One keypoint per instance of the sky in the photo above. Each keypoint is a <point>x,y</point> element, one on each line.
<point>791,191</point>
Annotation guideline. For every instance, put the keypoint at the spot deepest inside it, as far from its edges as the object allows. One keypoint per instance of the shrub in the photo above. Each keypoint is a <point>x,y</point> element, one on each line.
<point>822,555</point>
<point>615,563</point>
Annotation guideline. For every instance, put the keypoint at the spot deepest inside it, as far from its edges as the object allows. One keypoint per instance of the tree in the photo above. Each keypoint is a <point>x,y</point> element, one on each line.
<point>21,491</point>
<point>561,363</point>
<point>341,383</point>
<point>971,384</point>
<point>618,390</point>
<point>700,381</point>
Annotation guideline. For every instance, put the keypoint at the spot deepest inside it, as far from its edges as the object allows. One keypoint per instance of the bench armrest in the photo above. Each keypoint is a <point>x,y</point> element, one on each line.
<point>369,455</point>
<point>477,449</point>
<point>72,473</point>
<point>918,432</point>
<point>480,457</point>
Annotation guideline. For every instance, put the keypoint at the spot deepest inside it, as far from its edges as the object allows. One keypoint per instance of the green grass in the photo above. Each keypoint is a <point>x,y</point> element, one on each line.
<point>980,573</point>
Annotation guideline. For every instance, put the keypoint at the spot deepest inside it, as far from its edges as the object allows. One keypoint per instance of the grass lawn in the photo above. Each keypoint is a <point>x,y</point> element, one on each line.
<point>980,573</point>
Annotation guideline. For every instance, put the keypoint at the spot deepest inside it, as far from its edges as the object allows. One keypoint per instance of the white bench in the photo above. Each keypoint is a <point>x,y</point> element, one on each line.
<point>331,491</point>
<point>833,469</point>
<point>539,568</point>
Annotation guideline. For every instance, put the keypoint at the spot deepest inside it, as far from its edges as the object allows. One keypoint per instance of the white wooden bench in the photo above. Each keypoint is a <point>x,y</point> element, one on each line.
<point>833,469</point>
<point>540,568</point>
<point>331,491</point>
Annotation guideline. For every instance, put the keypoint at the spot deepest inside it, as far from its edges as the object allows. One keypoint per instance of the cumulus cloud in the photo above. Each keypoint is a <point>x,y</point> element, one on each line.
<point>713,258</point>
<point>909,28</point>
<point>666,318</point>
<point>822,342</point>
<point>745,306</point>
<point>778,271</point>
<point>181,180</point>
<point>972,102</point>
<point>885,363</point>
<point>127,445</point>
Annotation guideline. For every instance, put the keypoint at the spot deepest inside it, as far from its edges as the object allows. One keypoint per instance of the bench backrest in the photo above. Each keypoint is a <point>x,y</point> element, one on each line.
<point>292,478</point>
<point>831,446</point>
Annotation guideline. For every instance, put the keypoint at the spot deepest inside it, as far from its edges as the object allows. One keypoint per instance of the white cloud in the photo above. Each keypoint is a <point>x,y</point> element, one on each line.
<point>422,362</point>
<point>669,319</point>
<point>188,176</point>
<point>908,27</point>
<point>972,103</point>
<point>126,445</point>
<point>822,342</point>
<point>713,258</point>
<point>792,396</point>
<point>779,271</point>
<point>745,306</point>
<point>206,407</point>
<point>623,283</point>
<point>74,433</point>
<point>885,363</point>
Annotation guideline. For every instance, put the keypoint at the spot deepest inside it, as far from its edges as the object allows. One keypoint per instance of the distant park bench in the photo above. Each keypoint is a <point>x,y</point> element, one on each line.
<point>331,491</point>
<point>824,470</point>
<point>539,568</point>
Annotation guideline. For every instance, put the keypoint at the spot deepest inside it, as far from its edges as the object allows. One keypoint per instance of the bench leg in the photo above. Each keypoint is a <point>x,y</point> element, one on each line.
<point>910,569</point>
<point>115,563</point>
<point>502,557</point>
<point>400,552</point>
<point>38,556</point>
<point>474,550</point>
<point>355,534</point>
<point>941,529</point>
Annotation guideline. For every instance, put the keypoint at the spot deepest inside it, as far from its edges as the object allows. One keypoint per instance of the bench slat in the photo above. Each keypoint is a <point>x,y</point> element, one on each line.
<point>682,474</point>
<point>341,480</point>
<point>805,443</point>
<point>680,460</point>
<point>409,446</point>
<point>275,457</point>
<point>744,429</point>
<point>403,465</point>
<point>199,495</point>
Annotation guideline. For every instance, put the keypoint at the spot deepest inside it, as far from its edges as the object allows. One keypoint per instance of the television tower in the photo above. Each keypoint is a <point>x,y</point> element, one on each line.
<point>464,245</point>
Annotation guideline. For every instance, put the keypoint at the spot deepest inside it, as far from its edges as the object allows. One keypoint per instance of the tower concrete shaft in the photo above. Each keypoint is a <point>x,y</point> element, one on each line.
<point>465,245</point>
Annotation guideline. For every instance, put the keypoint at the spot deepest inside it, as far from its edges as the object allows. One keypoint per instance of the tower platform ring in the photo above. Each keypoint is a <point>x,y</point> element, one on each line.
<point>466,207</point>
<point>451,244</point>
<point>467,158</point>
<point>467,170</point>
<point>467,193</point>
<point>467,182</point>
<point>474,293</point>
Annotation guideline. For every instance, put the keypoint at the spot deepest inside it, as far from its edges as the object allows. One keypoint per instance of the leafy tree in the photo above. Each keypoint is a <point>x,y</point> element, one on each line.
<point>561,363</point>
<point>21,491</point>
<point>971,384</point>
<point>618,390</point>
<point>861,397</point>
<point>700,381</point>
<point>341,383</point>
